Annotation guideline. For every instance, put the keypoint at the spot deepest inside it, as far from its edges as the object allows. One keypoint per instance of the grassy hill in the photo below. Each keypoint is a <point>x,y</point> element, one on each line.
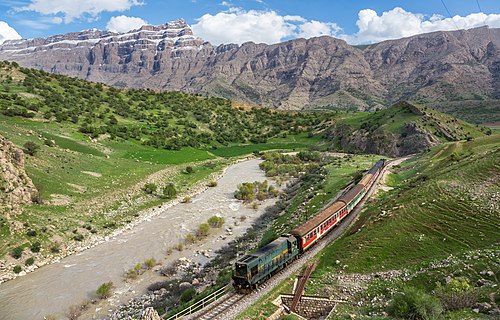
<point>437,222</point>
<point>404,128</point>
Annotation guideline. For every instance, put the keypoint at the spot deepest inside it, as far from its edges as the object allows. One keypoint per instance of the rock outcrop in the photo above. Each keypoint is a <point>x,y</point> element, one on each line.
<point>323,72</point>
<point>15,185</point>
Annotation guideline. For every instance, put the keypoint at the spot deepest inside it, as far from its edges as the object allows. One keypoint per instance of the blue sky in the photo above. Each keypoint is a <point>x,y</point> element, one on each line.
<point>357,21</point>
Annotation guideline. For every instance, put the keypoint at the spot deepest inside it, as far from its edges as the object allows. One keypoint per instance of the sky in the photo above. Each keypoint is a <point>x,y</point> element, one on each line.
<point>238,21</point>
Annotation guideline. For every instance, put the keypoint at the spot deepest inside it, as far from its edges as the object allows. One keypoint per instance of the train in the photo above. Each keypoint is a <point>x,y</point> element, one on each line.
<point>253,269</point>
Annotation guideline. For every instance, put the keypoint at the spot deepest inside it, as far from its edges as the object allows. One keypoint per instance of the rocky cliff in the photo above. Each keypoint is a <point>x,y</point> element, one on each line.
<point>15,185</point>
<point>320,72</point>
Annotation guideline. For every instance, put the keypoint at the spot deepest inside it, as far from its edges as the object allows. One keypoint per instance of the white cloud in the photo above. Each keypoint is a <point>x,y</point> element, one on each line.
<point>124,23</point>
<point>70,10</point>
<point>236,25</point>
<point>7,32</point>
<point>315,28</point>
<point>398,23</point>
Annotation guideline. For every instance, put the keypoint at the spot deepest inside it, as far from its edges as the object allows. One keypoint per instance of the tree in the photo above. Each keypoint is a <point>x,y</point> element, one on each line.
<point>150,188</point>
<point>105,290</point>
<point>31,148</point>
<point>169,191</point>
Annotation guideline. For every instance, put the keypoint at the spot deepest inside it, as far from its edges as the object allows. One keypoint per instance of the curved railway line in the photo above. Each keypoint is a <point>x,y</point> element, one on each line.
<point>232,303</point>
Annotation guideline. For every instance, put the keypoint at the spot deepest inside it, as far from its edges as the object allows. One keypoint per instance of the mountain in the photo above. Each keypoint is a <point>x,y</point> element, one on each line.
<point>448,69</point>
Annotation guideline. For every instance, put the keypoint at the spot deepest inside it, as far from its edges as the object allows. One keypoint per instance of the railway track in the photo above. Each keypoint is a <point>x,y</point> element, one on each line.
<point>232,303</point>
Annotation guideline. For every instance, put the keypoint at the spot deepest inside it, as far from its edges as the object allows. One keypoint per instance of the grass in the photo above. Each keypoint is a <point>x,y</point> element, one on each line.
<point>292,143</point>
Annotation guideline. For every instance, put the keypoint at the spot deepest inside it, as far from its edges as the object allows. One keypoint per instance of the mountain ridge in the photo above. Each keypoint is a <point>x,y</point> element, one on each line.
<point>321,72</point>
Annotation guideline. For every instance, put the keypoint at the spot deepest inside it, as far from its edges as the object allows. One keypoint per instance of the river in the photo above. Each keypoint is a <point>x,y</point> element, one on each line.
<point>74,279</point>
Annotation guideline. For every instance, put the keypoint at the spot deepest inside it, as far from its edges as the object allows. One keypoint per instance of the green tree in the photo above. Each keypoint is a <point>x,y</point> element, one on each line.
<point>169,191</point>
<point>31,148</point>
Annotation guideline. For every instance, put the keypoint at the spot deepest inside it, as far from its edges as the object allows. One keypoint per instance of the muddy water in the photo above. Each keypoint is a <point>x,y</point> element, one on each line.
<point>52,288</point>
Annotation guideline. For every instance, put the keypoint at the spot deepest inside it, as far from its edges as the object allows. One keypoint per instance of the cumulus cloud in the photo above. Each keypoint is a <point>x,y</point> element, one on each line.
<point>69,10</point>
<point>236,25</point>
<point>7,32</point>
<point>124,23</point>
<point>398,23</point>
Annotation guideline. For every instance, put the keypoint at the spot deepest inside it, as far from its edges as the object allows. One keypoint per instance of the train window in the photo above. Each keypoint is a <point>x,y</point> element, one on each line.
<point>254,270</point>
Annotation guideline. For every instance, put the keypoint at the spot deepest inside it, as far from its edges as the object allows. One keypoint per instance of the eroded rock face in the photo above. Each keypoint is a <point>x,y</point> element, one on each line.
<point>150,314</point>
<point>297,74</point>
<point>15,185</point>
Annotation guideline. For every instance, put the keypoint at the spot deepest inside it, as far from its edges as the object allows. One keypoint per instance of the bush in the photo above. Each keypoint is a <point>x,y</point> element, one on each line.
<point>35,247</point>
<point>17,269</point>
<point>179,247</point>
<point>216,222</point>
<point>55,247</point>
<point>187,199</point>
<point>457,294</point>
<point>149,263</point>
<point>150,188</point>
<point>105,290</point>
<point>31,148</point>
<point>31,233</point>
<point>415,304</point>
<point>74,312</point>
<point>169,191</point>
<point>212,184</point>
<point>190,238</point>
<point>202,231</point>
<point>29,261</point>
<point>17,252</point>
<point>189,170</point>
<point>187,295</point>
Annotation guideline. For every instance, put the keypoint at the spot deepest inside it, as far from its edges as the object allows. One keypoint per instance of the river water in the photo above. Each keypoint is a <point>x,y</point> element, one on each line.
<point>53,288</point>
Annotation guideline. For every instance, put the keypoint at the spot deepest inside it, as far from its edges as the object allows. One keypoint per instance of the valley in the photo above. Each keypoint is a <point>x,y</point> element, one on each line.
<point>142,171</point>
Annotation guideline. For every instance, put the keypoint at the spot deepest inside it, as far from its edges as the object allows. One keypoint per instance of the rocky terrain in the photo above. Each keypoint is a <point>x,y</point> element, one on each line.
<point>15,185</point>
<point>400,130</point>
<point>320,72</point>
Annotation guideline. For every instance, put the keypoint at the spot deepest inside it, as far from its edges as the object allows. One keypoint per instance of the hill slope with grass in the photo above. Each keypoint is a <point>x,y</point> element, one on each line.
<point>402,129</point>
<point>430,233</point>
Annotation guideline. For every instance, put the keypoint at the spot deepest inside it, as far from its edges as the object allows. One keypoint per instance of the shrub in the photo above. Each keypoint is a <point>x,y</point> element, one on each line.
<point>49,143</point>
<point>186,199</point>
<point>415,304</point>
<point>78,237</point>
<point>187,295</point>
<point>105,290</point>
<point>190,238</point>
<point>179,247</point>
<point>202,231</point>
<point>35,247</point>
<point>212,184</point>
<point>457,294</point>
<point>150,188</point>
<point>55,247</point>
<point>169,191</point>
<point>216,222</point>
<point>149,263</point>
<point>17,252</point>
<point>74,312</point>
<point>31,233</point>
<point>29,261</point>
<point>17,269</point>
<point>189,170</point>
<point>31,148</point>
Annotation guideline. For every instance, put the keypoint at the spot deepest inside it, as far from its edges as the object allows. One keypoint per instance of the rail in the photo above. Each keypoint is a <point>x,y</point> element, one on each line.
<point>301,285</point>
<point>214,296</point>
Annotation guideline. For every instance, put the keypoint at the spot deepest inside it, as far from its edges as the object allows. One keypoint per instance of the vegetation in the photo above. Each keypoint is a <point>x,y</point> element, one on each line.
<point>216,222</point>
<point>30,261</point>
<point>203,231</point>
<point>31,148</point>
<point>149,263</point>
<point>415,304</point>
<point>105,290</point>
<point>17,269</point>
<point>169,191</point>
<point>250,191</point>
<point>150,188</point>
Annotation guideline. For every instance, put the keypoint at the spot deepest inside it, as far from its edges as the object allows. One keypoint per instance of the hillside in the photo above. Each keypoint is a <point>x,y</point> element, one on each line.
<point>96,147</point>
<point>405,128</point>
<point>458,69</point>
<point>433,225</point>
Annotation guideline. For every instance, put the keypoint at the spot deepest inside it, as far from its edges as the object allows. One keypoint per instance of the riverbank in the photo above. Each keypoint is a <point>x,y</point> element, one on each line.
<point>74,279</point>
